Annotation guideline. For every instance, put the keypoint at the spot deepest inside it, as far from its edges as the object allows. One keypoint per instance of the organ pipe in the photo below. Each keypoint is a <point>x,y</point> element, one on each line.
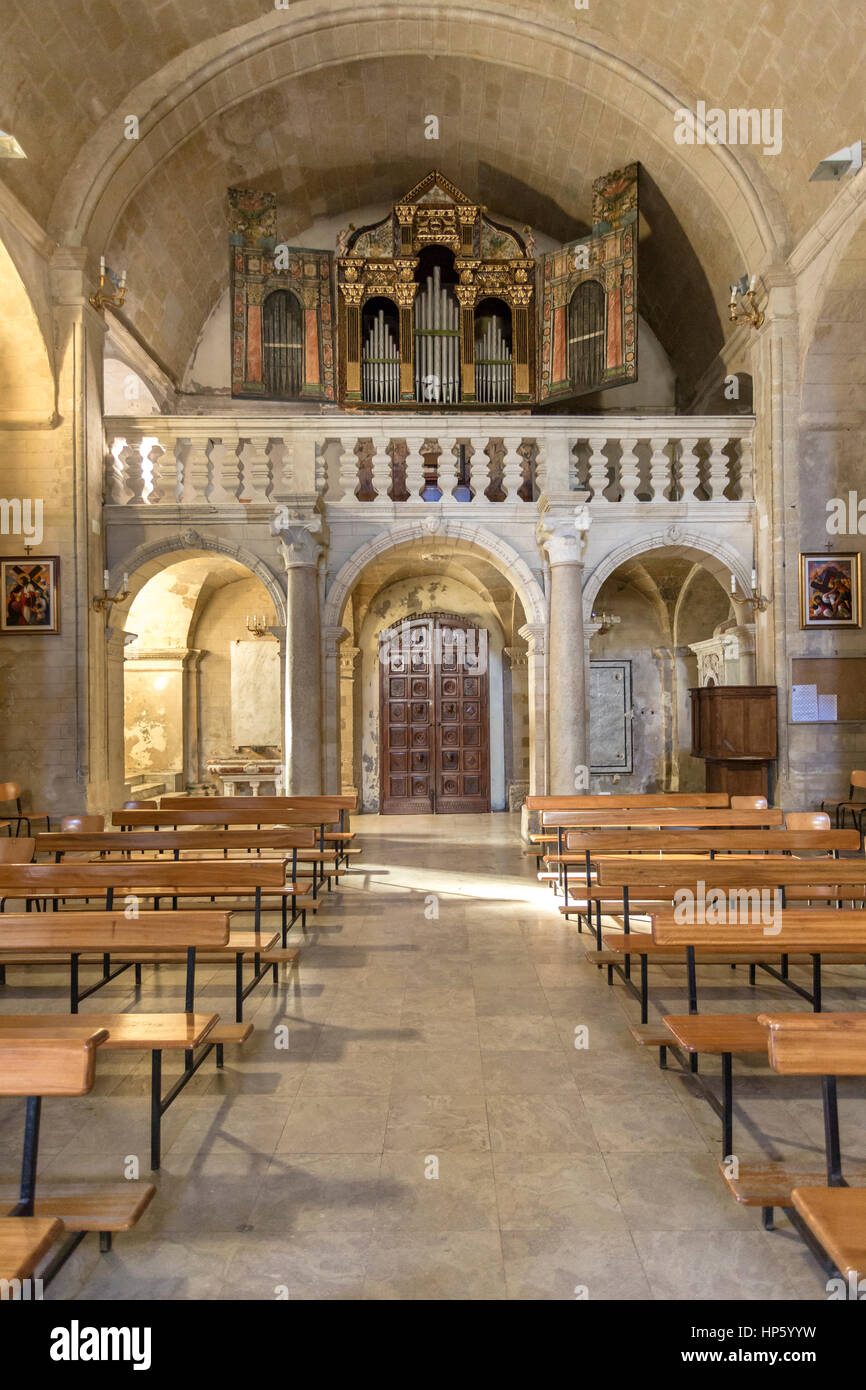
<point>493,364</point>
<point>380,366</point>
<point>437,342</point>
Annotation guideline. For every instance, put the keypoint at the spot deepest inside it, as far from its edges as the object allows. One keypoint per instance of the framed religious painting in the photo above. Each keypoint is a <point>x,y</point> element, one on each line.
<point>830,590</point>
<point>31,594</point>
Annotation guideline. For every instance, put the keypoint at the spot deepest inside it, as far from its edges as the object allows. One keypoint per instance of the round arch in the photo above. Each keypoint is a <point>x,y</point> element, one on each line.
<point>503,556</point>
<point>171,101</point>
<point>147,559</point>
<point>716,556</point>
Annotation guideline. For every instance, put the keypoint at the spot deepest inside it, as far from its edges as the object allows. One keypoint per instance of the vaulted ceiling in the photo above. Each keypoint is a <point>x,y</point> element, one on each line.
<point>324,104</point>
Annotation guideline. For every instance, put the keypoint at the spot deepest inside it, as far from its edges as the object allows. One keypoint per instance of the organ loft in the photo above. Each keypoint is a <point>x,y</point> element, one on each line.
<point>436,305</point>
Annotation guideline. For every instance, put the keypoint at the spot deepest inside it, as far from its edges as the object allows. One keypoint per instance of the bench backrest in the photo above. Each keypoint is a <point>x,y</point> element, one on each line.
<point>807,820</point>
<point>17,849</point>
<point>49,1066</point>
<point>754,871</point>
<point>301,837</point>
<point>620,800</point>
<point>826,928</point>
<point>216,817</point>
<point>662,817</point>
<point>209,875</point>
<point>112,931</point>
<point>687,841</point>
<point>817,1044</point>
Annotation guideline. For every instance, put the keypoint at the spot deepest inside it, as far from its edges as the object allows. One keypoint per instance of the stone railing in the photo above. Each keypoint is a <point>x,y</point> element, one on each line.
<point>480,460</point>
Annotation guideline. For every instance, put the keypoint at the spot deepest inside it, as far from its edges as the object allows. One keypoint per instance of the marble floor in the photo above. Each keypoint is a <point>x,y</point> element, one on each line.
<point>432,1131</point>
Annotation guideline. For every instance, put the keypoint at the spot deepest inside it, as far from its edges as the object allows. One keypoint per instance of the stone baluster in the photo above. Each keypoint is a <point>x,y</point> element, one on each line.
<point>116,491</point>
<point>598,466</point>
<point>414,467</point>
<point>348,470</point>
<point>746,473</point>
<point>449,471</point>
<point>718,468</point>
<point>195,469</point>
<point>133,470</point>
<point>541,467</point>
<point>225,474</point>
<point>629,470</point>
<point>381,469</point>
<point>282,457</point>
<point>255,468</point>
<point>159,475</point>
<point>512,470</point>
<point>660,468</point>
<point>689,467</point>
<point>479,469</point>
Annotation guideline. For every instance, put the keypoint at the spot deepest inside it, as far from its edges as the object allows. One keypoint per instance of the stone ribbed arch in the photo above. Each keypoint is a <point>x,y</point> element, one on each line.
<point>716,556</point>
<point>150,558</point>
<point>502,555</point>
<point>213,76</point>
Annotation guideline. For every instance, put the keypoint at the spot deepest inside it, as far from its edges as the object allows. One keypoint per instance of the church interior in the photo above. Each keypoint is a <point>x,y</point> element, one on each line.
<point>431,652</point>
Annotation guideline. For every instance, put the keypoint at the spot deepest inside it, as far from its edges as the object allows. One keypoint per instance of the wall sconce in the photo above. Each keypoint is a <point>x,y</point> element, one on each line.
<point>102,295</point>
<point>259,625</point>
<point>757,602</point>
<point>746,310</point>
<point>102,604</point>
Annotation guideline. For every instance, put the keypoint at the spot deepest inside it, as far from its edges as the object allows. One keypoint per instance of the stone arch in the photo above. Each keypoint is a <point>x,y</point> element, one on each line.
<point>151,557</point>
<point>27,387</point>
<point>716,556</point>
<point>502,555</point>
<point>171,101</point>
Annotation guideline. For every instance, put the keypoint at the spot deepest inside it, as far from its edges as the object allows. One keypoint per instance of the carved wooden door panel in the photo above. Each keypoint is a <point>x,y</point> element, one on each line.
<point>434,718</point>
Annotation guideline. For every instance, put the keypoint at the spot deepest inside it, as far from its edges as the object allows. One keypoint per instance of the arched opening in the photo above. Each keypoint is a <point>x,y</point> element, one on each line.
<point>437,328</point>
<point>202,678</point>
<point>666,626</point>
<point>380,351</point>
<point>586,336</point>
<point>282,346</point>
<point>494,378</point>
<point>453,580</point>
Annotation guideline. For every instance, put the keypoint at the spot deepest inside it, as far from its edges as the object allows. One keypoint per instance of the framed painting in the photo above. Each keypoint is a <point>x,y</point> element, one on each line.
<point>830,590</point>
<point>31,594</point>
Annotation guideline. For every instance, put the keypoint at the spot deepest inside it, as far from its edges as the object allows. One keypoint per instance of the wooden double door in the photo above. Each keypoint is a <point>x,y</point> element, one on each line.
<point>434,717</point>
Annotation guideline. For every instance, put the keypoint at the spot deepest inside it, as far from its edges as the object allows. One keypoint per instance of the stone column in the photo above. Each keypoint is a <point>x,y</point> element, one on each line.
<point>116,639</point>
<point>331,692</point>
<point>192,717</point>
<point>566,664</point>
<point>348,657</point>
<point>518,784</point>
<point>303,709</point>
<point>535,636</point>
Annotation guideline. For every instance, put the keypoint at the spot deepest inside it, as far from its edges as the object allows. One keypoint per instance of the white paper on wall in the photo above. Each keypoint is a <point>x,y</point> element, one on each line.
<point>804,703</point>
<point>827,707</point>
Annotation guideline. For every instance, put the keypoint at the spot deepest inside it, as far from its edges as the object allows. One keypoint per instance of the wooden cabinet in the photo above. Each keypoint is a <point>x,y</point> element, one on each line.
<point>734,729</point>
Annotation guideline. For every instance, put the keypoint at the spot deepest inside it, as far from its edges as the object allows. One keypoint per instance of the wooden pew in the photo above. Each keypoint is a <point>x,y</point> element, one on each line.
<point>326,813</point>
<point>618,801</point>
<point>24,1243</point>
<point>157,880</point>
<point>825,1045</point>
<point>202,843</point>
<point>582,847</point>
<point>36,1067</point>
<point>245,817</point>
<point>194,1035</point>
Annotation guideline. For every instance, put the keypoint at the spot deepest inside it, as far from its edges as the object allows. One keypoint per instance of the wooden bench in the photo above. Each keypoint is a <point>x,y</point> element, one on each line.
<point>836,1218</point>
<point>36,1067</point>
<point>24,1243</point>
<point>582,848</point>
<point>149,938</point>
<point>195,1035</point>
<point>825,1045</point>
<point>202,844</point>
<point>724,1036</point>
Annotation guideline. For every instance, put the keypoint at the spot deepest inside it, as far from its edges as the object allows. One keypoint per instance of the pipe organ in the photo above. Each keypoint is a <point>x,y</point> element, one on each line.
<point>436,306</point>
<point>437,342</point>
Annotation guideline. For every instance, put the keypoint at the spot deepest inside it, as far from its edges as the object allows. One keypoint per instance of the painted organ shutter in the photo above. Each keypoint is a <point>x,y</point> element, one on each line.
<point>586,337</point>
<point>283,346</point>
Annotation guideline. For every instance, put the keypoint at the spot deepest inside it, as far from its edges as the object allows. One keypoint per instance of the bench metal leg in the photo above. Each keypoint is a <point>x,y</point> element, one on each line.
<point>728,1104</point>
<point>104,1242</point>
